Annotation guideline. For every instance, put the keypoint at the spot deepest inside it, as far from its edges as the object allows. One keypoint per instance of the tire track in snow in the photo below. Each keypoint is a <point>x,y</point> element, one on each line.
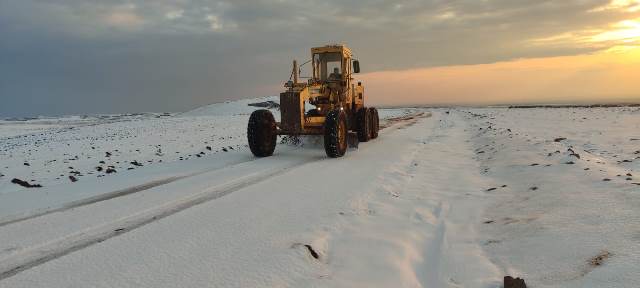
<point>109,195</point>
<point>404,121</point>
<point>40,254</point>
<point>91,200</point>
<point>63,246</point>
<point>395,122</point>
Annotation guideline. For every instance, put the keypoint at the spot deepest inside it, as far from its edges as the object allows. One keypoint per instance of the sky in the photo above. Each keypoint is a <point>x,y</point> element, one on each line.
<point>85,57</point>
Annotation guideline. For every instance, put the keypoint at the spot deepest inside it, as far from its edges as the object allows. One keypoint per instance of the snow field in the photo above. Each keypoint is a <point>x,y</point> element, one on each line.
<point>454,197</point>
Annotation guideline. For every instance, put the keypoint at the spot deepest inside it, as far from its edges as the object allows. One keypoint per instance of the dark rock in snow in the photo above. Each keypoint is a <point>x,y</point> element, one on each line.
<point>111,170</point>
<point>73,178</point>
<point>573,153</point>
<point>26,164</point>
<point>136,163</point>
<point>599,259</point>
<point>208,148</point>
<point>313,252</point>
<point>559,139</point>
<point>24,183</point>
<point>510,282</point>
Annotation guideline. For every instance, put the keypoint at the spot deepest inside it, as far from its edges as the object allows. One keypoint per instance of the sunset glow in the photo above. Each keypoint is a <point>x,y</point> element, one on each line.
<point>625,5</point>
<point>627,31</point>
<point>609,74</point>
<point>605,77</point>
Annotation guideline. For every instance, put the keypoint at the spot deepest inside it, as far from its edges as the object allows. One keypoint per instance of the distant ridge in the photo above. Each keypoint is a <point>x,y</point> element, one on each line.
<point>574,105</point>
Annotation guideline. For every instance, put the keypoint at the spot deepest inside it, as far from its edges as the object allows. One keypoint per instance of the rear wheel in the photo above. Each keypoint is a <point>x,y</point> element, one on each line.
<point>335,133</point>
<point>261,133</point>
<point>375,123</point>
<point>363,118</point>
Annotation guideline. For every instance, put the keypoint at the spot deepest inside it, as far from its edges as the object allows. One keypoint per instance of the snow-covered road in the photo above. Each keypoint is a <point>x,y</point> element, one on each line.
<point>370,218</point>
<point>445,198</point>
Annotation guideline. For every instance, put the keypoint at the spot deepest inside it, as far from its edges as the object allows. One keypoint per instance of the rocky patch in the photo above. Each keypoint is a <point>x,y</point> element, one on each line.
<point>24,183</point>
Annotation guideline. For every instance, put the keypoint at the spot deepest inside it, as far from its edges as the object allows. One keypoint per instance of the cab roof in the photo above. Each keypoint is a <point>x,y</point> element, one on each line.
<point>332,48</point>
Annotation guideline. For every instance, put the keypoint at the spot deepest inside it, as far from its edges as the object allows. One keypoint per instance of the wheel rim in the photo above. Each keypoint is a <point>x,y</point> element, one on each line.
<point>342,134</point>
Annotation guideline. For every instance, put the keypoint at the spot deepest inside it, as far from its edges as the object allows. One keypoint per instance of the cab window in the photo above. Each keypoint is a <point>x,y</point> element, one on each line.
<point>327,65</point>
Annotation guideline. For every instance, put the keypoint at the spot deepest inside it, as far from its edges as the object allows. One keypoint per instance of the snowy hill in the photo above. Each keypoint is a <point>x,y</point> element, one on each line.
<point>229,108</point>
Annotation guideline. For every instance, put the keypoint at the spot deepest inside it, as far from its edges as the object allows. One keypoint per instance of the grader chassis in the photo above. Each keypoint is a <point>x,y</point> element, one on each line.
<point>339,111</point>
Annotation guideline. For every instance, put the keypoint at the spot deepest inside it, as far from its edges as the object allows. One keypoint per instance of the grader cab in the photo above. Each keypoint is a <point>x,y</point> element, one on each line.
<point>339,112</point>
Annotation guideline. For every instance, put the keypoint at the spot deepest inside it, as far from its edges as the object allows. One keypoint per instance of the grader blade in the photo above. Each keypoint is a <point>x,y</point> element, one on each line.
<point>352,139</point>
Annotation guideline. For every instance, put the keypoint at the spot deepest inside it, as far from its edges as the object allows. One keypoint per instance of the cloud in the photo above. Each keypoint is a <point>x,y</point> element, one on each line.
<point>124,16</point>
<point>134,55</point>
<point>625,5</point>
<point>174,14</point>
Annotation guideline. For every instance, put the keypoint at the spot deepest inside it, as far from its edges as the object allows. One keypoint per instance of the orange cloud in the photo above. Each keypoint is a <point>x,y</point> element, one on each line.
<point>610,76</point>
<point>124,16</point>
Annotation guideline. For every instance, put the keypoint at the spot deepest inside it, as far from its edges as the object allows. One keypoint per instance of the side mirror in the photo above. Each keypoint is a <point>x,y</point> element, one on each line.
<point>356,66</point>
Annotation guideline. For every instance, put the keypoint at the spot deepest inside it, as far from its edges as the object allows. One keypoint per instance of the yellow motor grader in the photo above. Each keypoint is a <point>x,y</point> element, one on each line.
<point>339,113</point>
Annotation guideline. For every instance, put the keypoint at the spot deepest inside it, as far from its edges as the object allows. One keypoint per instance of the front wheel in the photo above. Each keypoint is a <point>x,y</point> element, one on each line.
<point>335,133</point>
<point>262,133</point>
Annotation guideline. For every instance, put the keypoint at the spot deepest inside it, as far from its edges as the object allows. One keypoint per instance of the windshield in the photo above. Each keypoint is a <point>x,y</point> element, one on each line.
<point>327,66</point>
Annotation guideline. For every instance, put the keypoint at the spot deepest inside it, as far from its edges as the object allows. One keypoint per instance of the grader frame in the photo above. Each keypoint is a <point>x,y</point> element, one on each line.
<point>339,106</point>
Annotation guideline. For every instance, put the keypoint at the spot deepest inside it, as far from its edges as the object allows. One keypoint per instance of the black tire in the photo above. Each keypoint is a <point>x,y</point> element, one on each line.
<point>261,133</point>
<point>335,133</point>
<point>370,115</point>
<point>363,124</point>
<point>375,123</point>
